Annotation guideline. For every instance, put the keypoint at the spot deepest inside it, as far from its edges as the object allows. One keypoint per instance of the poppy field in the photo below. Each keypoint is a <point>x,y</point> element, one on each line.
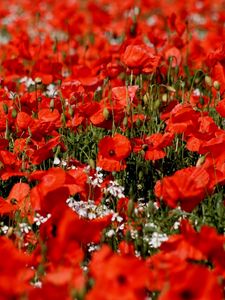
<point>112,150</point>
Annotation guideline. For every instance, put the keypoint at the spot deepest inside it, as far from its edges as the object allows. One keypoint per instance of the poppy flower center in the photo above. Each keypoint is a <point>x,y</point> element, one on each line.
<point>112,152</point>
<point>145,147</point>
<point>186,295</point>
<point>121,279</point>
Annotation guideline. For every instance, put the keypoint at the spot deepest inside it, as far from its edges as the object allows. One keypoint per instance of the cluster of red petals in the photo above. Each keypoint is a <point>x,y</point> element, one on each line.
<point>187,187</point>
<point>153,145</point>
<point>112,152</point>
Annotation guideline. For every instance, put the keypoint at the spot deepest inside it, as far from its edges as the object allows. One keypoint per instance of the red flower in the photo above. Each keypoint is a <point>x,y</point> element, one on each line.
<point>112,152</point>
<point>115,273</point>
<point>153,145</point>
<point>187,186</point>
<point>193,282</point>
<point>220,108</point>
<point>13,270</point>
<point>140,57</point>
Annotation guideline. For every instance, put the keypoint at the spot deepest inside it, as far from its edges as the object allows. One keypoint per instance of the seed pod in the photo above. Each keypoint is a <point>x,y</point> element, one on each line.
<point>9,232</point>
<point>156,104</point>
<point>125,121</point>
<point>14,113</point>
<point>200,161</point>
<point>146,98</point>
<point>52,104</point>
<point>208,81</point>
<point>91,163</point>
<point>164,98</point>
<point>216,85</point>
<point>171,89</point>
<point>106,113</point>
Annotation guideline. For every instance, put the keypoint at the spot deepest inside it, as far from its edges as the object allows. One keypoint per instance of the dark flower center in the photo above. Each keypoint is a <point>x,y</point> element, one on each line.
<point>112,152</point>
<point>145,147</point>
<point>186,295</point>
<point>121,279</point>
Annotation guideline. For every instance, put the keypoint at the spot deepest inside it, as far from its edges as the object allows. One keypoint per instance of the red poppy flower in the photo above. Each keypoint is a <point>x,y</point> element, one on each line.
<point>116,272</point>
<point>140,57</point>
<point>193,282</point>
<point>220,108</point>
<point>187,186</point>
<point>13,270</point>
<point>45,151</point>
<point>112,152</point>
<point>153,145</point>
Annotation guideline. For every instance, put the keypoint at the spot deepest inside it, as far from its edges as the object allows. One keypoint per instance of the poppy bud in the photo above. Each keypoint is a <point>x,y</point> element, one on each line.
<point>125,121</point>
<point>208,81</point>
<point>142,152</point>
<point>171,89</point>
<point>52,104</point>
<point>9,232</point>
<point>216,85</point>
<point>106,114</point>
<point>14,113</point>
<point>164,98</point>
<point>200,161</point>
<point>91,163</point>
<point>156,104</point>
<point>5,108</point>
<point>146,98</point>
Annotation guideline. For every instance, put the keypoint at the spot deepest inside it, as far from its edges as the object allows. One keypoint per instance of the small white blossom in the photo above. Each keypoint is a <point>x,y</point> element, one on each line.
<point>4,229</point>
<point>56,161</point>
<point>110,233</point>
<point>40,219</point>
<point>115,189</point>
<point>157,239</point>
<point>97,179</point>
<point>24,227</point>
<point>88,209</point>
<point>51,90</point>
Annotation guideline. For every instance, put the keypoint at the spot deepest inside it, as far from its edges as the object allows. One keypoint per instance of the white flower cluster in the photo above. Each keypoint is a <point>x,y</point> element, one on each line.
<point>115,189</point>
<point>51,90</point>
<point>157,239</point>
<point>88,209</point>
<point>92,247</point>
<point>4,229</point>
<point>27,81</point>
<point>97,179</point>
<point>24,227</point>
<point>40,219</point>
<point>58,162</point>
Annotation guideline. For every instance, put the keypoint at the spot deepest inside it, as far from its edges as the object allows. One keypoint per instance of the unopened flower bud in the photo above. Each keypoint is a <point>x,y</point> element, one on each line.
<point>106,113</point>
<point>216,85</point>
<point>14,113</point>
<point>208,81</point>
